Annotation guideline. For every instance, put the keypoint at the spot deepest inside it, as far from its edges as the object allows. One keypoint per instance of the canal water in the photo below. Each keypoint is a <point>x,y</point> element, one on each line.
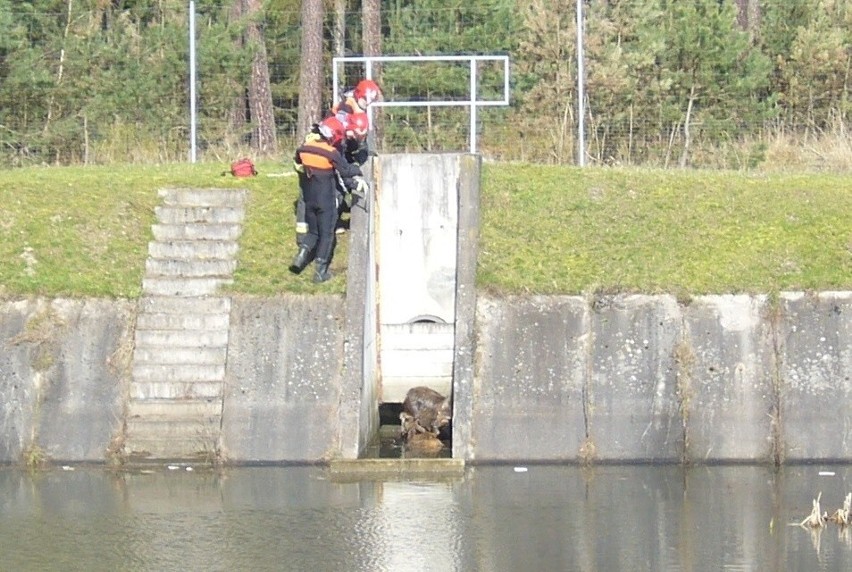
<point>490,518</point>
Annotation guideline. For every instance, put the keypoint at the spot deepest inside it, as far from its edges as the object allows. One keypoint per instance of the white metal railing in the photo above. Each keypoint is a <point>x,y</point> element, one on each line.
<point>471,102</point>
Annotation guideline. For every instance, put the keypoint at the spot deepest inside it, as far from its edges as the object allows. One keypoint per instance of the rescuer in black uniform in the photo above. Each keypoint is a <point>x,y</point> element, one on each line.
<point>322,163</point>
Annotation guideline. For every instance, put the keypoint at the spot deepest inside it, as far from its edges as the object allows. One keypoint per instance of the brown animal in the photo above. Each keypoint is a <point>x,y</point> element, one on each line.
<point>422,445</point>
<point>424,411</point>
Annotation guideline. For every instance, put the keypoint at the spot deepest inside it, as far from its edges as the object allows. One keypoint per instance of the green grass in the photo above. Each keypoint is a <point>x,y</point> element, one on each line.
<point>570,230</point>
<point>84,231</point>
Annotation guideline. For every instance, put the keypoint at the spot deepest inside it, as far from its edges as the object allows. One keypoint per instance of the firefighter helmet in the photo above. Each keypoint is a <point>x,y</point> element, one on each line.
<point>357,126</point>
<point>366,92</point>
<point>332,130</point>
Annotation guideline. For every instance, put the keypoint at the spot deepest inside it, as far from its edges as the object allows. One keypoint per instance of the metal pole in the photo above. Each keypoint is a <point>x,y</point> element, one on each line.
<point>581,104</point>
<point>192,111</point>
<point>472,106</point>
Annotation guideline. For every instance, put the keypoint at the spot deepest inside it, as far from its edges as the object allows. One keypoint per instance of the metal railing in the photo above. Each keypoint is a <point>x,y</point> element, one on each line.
<point>473,102</point>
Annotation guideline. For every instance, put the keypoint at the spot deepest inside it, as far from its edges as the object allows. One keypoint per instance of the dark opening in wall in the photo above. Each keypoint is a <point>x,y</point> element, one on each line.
<point>389,413</point>
<point>426,319</point>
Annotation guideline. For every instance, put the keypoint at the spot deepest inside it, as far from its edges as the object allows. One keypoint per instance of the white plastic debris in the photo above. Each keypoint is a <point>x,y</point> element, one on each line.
<point>520,469</point>
<point>826,473</point>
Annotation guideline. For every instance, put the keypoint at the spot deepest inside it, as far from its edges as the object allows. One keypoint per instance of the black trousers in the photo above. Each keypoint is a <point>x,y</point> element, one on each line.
<point>301,219</point>
<point>321,217</point>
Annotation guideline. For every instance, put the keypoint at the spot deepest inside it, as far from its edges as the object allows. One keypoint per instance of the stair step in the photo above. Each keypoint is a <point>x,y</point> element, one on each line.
<point>189,268</point>
<point>181,338</point>
<point>176,390</point>
<point>203,197</point>
<point>169,429</point>
<point>185,305</point>
<point>144,449</point>
<point>180,373</point>
<point>208,322</point>
<point>167,232</point>
<point>192,249</point>
<point>174,408</point>
<point>189,287</point>
<point>180,214</point>
<point>179,355</point>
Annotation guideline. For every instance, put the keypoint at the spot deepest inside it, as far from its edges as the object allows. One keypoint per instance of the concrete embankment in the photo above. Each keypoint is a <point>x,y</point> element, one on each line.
<point>560,378</point>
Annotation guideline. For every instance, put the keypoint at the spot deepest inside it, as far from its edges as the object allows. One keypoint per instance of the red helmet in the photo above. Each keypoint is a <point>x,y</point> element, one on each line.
<point>357,126</point>
<point>366,92</point>
<point>332,130</point>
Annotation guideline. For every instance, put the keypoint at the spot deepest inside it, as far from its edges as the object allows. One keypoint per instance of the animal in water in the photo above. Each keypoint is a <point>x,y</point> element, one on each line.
<point>422,445</point>
<point>424,411</point>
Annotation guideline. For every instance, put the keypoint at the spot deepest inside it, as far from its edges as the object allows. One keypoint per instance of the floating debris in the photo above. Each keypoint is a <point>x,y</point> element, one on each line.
<point>841,516</point>
<point>816,519</point>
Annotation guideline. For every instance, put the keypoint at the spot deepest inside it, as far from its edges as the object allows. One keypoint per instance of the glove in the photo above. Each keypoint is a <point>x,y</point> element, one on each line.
<point>361,186</point>
<point>298,167</point>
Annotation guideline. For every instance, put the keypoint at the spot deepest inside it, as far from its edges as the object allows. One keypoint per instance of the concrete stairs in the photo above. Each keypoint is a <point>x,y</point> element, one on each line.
<point>178,373</point>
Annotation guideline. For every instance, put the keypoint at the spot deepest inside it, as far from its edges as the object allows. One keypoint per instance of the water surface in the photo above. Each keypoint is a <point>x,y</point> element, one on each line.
<point>494,518</point>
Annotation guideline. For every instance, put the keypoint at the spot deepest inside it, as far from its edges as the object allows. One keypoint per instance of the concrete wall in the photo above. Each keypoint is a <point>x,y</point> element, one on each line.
<point>63,377</point>
<point>557,378</point>
<point>643,378</point>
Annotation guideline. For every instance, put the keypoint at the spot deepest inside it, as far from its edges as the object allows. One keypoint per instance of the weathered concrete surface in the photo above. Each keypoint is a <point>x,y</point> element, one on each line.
<point>528,393</point>
<point>359,391</point>
<point>63,377</point>
<point>556,378</point>
<point>726,372</point>
<point>815,347</point>
<point>633,391</point>
<point>465,319</point>
<point>282,384</point>
<point>722,379</point>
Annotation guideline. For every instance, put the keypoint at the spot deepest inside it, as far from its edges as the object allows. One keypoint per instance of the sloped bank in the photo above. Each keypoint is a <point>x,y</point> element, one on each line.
<point>552,379</point>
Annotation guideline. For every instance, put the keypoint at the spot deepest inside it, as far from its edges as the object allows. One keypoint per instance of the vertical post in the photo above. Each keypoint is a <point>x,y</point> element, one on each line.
<point>581,105</point>
<point>371,133</point>
<point>334,82</point>
<point>472,105</point>
<point>192,111</point>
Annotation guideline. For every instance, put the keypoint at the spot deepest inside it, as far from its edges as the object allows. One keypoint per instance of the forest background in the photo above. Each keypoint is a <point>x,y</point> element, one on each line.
<point>734,84</point>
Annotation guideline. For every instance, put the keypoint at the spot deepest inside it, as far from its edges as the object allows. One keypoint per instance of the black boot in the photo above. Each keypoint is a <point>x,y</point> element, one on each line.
<point>300,261</point>
<point>322,272</point>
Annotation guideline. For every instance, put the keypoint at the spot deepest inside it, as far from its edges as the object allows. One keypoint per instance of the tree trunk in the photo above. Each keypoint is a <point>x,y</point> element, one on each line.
<point>310,67</point>
<point>263,138</point>
<point>687,134</point>
<point>237,116</point>
<point>748,16</point>
<point>339,32</point>
<point>61,69</point>
<point>371,22</point>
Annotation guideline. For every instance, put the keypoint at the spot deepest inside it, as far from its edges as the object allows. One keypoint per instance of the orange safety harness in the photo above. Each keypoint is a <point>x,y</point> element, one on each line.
<point>316,155</point>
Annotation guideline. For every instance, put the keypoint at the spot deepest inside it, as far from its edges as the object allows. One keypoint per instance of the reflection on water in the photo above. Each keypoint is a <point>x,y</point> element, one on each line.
<point>494,518</point>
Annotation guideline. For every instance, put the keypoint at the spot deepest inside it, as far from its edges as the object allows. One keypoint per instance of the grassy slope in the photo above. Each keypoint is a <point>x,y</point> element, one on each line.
<point>689,232</point>
<point>83,231</point>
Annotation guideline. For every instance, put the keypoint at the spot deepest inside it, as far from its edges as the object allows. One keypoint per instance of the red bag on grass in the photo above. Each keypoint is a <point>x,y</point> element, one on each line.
<point>243,168</point>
